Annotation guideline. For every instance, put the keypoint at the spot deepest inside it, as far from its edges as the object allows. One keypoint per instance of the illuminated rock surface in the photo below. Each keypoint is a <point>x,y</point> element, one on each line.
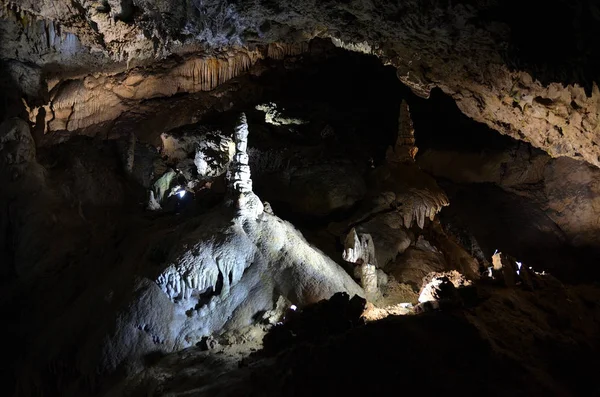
<point>406,147</point>
<point>490,68</point>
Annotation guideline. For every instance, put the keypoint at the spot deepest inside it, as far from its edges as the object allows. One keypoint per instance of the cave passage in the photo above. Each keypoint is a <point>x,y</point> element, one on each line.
<point>300,211</point>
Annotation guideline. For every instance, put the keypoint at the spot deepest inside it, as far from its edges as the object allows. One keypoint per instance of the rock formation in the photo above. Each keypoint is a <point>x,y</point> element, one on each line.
<point>513,92</point>
<point>241,183</point>
<point>417,196</point>
<point>400,185</point>
<point>214,277</point>
<point>404,149</point>
<point>361,251</point>
<point>136,256</point>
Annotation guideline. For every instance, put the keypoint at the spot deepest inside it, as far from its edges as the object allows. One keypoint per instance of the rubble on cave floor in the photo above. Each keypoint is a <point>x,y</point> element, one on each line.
<point>511,341</point>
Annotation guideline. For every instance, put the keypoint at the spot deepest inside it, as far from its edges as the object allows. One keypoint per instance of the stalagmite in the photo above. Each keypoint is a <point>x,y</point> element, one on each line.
<point>404,150</point>
<point>426,199</point>
<point>361,251</point>
<point>506,267</point>
<point>368,280</point>
<point>239,174</point>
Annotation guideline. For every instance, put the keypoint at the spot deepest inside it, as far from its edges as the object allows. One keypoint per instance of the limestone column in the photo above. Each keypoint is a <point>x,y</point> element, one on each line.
<point>240,181</point>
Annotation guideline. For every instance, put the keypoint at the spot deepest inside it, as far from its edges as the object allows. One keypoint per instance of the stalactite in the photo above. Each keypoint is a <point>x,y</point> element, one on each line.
<point>80,104</point>
<point>419,204</point>
<point>278,51</point>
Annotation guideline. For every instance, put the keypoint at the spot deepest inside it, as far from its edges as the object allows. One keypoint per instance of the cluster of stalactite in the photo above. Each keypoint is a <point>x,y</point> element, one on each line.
<point>207,73</point>
<point>94,99</point>
<point>281,50</point>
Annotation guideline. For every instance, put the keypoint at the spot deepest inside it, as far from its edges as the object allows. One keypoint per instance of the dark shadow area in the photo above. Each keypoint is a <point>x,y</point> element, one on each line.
<point>429,354</point>
<point>439,124</point>
<point>352,93</point>
<point>10,94</point>
<point>511,224</point>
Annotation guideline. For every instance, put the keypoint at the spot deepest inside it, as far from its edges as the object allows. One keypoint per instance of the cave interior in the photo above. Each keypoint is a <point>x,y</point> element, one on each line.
<point>256,217</point>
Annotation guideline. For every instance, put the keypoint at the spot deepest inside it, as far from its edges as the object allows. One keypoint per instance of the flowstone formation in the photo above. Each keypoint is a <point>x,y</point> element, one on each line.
<point>242,259</point>
<point>183,279</point>
<point>387,237</point>
<point>238,266</point>
<point>467,327</point>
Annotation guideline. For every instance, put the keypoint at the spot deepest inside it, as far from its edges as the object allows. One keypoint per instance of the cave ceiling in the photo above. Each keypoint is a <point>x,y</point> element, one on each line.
<point>527,72</point>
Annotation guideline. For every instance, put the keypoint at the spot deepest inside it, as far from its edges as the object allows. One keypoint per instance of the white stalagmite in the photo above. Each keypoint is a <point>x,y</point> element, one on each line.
<point>361,251</point>
<point>239,175</point>
<point>241,181</point>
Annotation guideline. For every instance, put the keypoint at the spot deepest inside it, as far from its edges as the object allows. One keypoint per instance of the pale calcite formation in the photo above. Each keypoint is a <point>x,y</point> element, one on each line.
<point>240,179</point>
<point>359,249</point>
<point>94,99</point>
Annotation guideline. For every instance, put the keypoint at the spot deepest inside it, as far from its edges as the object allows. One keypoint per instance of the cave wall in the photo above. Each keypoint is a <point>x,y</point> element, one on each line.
<point>477,52</point>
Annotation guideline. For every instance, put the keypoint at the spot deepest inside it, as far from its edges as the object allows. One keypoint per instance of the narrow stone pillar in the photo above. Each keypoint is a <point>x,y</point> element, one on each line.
<point>361,251</point>
<point>240,180</point>
<point>404,150</point>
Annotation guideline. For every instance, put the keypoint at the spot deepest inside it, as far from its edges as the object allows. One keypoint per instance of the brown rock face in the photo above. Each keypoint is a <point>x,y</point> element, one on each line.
<point>566,189</point>
<point>480,54</point>
<point>95,99</point>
